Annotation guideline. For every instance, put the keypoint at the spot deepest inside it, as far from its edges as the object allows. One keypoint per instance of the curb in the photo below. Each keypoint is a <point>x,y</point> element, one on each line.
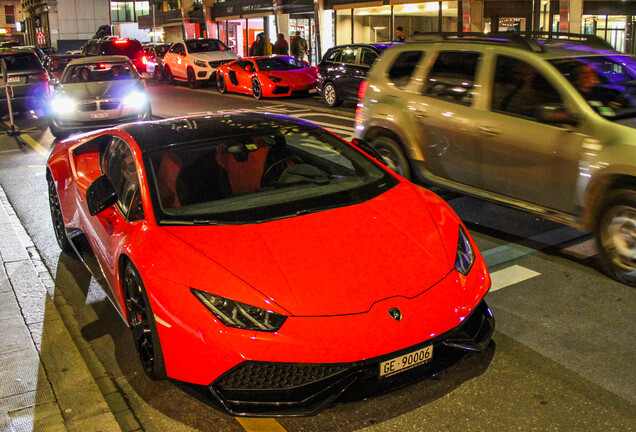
<point>81,406</point>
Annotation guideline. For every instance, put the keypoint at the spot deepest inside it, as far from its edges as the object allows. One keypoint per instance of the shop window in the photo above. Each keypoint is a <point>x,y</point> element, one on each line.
<point>142,8</point>
<point>122,11</point>
<point>402,68</point>
<point>452,77</point>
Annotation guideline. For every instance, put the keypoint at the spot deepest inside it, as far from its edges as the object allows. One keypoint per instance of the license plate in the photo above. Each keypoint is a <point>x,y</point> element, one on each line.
<point>99,115</point>
<point>13,79</point>
<point>406,361</point>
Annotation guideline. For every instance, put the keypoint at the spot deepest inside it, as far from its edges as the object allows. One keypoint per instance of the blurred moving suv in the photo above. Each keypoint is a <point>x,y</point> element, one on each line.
<point>196,60</point>
<point>544,125</point>
<point>115,45</point>
<point>27,78</point>
<point>96,92</point>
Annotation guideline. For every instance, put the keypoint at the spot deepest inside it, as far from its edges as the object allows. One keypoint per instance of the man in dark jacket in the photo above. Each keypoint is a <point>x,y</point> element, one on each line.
<point>299,47</point>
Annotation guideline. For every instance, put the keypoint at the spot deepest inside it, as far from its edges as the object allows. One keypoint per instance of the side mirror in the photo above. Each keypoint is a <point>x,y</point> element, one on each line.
<point>100,195</point>
<point>555,114</point>
<point>368,149</point>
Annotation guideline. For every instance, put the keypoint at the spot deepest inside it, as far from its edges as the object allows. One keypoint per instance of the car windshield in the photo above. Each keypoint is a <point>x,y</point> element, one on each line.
<point>259,177</point>
<point>161,50</point>
<point>97,72</point>
<point>608,83</point>
<point>205,45</point>
<point>279,63</point>
<point>21,61</point>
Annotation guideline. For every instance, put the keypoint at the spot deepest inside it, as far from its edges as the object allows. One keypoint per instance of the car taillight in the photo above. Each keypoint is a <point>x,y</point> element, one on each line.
<point>144,60</point>
<point>121,41</point>
<point>361,93</point>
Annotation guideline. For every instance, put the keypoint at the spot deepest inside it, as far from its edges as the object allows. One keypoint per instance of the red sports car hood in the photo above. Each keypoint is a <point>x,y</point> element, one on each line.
<point>333,262</point>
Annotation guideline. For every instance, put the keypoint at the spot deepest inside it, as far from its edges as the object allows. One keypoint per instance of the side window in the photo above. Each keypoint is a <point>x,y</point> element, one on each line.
<point>519,89</point>
<point>368,57</point>
<point>176,48</point>
<point>402,68</point>
<point>119,165</point>
<point>332,55</point>
<point>349,55</point>
<point>452,77</point>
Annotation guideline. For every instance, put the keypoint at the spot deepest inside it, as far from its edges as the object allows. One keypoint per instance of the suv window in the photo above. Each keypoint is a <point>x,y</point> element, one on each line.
<point>130,48</point>
<point>402,68</point>
<point>519,89</point>
<point>452,76</point>
<point>349,55</point>
<point>21,61</point>
<point>368,57</point>
<point>177,48</point>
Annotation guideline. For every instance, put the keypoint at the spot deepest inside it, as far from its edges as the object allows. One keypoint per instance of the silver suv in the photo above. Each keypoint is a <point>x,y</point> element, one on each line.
<point>538,123</point>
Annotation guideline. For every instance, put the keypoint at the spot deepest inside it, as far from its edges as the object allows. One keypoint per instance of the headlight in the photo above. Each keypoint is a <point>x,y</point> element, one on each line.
<point>200,63</point>
<point>136,100</point>
<point>275,79</point>
<point>465,253</point>
<point>240,315</point>
<point>62,105</point>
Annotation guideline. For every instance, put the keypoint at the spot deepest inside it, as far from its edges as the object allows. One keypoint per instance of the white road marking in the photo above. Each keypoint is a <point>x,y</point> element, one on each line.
<point>509,276</point>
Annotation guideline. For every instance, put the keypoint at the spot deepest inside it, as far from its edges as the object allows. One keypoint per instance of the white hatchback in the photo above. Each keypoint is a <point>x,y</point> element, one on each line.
<point>196,60</point>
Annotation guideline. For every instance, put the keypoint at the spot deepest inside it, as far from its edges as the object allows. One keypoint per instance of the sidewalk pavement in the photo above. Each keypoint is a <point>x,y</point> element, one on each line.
<point>45,381</point>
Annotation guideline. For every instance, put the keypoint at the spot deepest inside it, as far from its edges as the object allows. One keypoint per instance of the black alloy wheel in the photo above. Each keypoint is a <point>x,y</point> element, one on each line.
<point>330,94</point>
<point>220,84</point>
<point>142,324</point>
<point>257,91</point>
<point>616,235</point>
<point>192,79</point>
<point>393,155</point>
<point>56,215</point>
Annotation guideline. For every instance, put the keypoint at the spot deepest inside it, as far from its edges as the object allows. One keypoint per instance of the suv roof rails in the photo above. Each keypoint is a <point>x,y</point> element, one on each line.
<point>532,41</point>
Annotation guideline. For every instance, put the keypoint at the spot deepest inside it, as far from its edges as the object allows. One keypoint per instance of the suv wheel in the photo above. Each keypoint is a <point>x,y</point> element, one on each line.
<point>393,155</point>
<point>330,95</point>
<point>168,75</point>
<point>616,236</point>
<point>192,79</point>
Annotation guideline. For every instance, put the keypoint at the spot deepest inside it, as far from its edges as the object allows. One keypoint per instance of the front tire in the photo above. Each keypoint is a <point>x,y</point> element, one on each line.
<point>616,236</point>
<point>220,84</point>
<point>330,95</point>
<point>168,74</point>
<point>142,324</point>
<point>56,215</point>
<point>257,91</point>
<point>393,155</point>
<point>192,79</point>
<point>57,132</point>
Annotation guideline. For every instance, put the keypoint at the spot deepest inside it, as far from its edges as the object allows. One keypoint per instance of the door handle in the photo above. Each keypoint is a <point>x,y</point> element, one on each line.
<point>421,114</point>
<point>489,130</point>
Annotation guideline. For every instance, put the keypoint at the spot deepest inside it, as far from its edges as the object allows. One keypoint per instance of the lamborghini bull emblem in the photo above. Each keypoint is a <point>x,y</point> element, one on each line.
<point>395,314</point>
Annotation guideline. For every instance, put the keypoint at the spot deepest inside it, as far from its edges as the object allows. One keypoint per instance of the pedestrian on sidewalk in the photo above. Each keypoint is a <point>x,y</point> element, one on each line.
<point>299,47</point>
<point>281,47</point>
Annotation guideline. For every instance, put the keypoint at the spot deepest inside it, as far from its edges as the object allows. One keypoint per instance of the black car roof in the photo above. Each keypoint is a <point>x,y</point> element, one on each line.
<point>161,133</point>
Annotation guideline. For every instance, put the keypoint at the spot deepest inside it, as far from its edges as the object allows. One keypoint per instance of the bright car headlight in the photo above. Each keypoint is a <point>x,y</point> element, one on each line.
<point>200,63</point>
<point>240,315</point>
<point>275,79</point>
<point>136,100</point>
<point>62,105</point>
<point>465,254</point>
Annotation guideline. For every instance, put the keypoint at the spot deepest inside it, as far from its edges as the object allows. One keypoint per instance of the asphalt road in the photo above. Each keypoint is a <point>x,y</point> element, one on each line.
<point>562,357</point>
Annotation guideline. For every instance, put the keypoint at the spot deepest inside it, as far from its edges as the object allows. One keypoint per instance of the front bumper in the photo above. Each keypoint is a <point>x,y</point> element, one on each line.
<point>267,388</point>
<point>96,114</point>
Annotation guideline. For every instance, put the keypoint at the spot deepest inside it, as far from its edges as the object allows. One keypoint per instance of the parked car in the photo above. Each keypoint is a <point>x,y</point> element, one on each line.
<point>269,76</point>
<point>27,78</point>
<point>115,45</point>
<point>506,118</point>
<point>96,92</point>
<point>344,68</point>
<point>154,59</point>
<point>196,60</point>
<point>221,240</point>
<point>55,64</point>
